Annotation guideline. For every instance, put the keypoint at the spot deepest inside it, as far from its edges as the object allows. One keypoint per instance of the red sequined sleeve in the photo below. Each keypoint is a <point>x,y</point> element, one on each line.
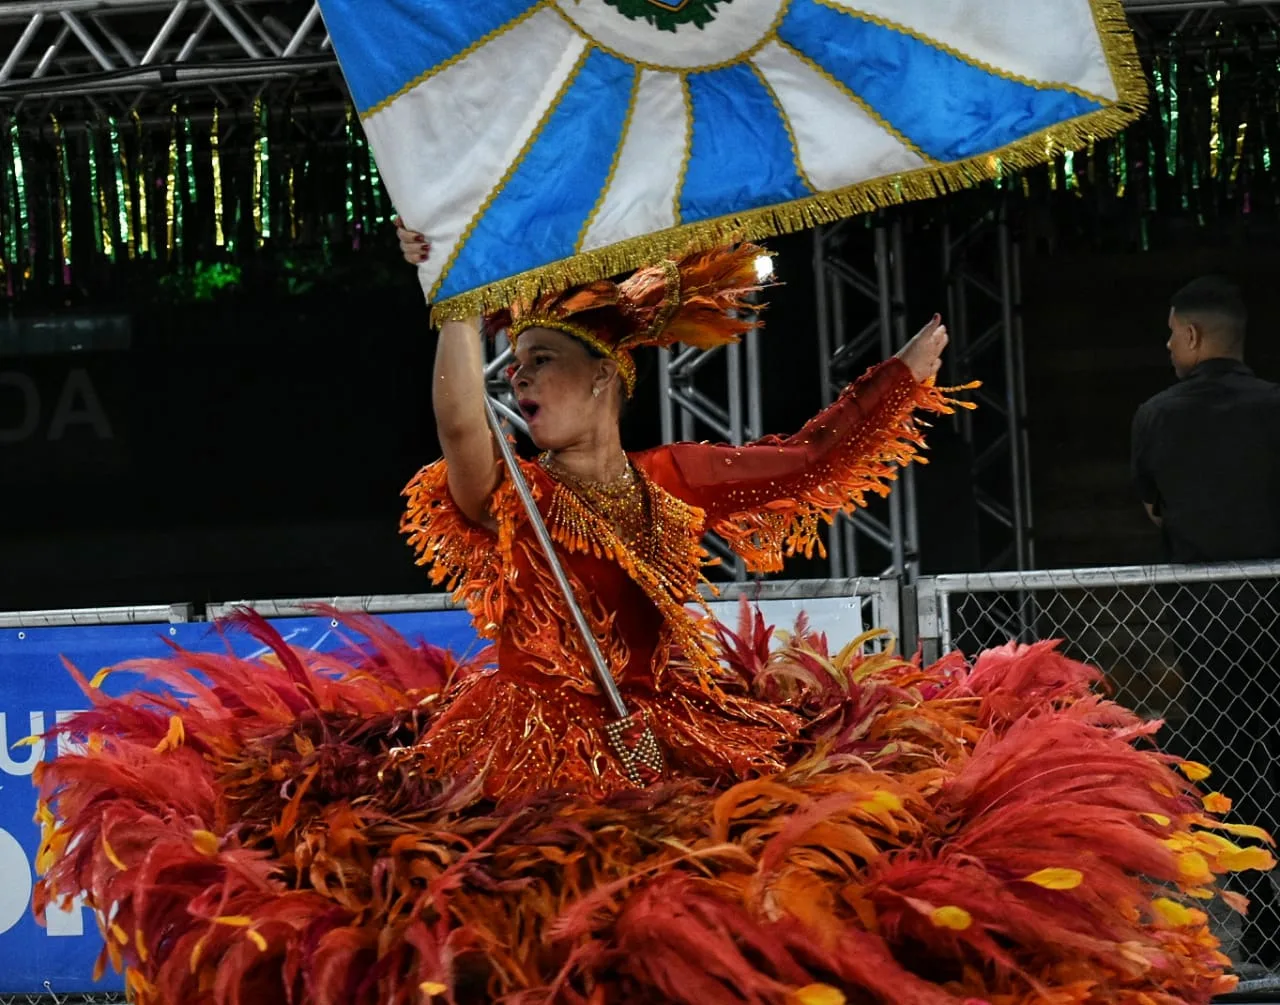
<point>766,499</point>
<point>473,562</point>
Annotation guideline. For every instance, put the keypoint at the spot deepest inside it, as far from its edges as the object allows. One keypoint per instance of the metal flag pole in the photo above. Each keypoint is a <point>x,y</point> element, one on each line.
<point>629,734</point>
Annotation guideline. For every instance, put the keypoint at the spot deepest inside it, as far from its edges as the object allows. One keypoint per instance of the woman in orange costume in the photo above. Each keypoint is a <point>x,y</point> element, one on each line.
<point>387,826</point>
<point>629,528</point>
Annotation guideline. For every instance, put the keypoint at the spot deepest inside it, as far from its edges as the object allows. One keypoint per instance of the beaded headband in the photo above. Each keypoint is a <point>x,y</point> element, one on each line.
<point>626,365</point>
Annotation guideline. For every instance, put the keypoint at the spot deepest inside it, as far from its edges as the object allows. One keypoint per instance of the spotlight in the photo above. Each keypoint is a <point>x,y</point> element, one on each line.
<point>764,268</point>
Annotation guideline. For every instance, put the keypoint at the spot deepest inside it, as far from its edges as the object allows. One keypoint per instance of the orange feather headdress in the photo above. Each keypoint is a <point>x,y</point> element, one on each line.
<point>700,300</point>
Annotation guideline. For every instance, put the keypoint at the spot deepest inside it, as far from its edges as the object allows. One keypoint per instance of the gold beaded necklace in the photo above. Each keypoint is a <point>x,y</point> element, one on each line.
<point>652,535</point>
<point>619,502</point>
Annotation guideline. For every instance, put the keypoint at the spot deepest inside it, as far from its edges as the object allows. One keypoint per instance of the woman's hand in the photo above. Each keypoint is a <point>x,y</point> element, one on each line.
<point>923,354</point>
<point>414,246</point>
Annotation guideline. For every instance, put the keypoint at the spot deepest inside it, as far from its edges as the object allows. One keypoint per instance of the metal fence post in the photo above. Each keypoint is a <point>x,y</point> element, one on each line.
<point>892,611</point>
<point>928,625</point>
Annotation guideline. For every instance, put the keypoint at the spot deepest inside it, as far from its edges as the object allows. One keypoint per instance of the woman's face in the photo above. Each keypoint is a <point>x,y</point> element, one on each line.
<point>553,379</point>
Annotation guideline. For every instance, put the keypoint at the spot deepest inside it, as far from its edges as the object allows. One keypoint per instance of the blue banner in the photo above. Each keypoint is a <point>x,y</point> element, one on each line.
<point>36,692</point>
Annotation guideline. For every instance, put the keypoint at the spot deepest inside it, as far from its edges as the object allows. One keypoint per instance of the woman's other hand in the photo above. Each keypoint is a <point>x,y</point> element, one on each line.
<point>923,354</point>
<point>414,246</point>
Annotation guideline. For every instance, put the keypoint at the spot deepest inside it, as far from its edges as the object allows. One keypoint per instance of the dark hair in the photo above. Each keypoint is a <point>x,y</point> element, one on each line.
<point>1215,302</point>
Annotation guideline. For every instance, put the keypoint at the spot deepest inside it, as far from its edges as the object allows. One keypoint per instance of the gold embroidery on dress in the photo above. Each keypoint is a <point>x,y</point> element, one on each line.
<point>653,536</point>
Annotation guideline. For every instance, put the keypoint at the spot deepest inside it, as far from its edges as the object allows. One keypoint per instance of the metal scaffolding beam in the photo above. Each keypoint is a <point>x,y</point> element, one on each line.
<point>1183,6</point>
<point>498,357</point>
<point>862,318</point>
<point>861,293</point>
<point>1193,25</point>
<point>980,265</point>
<point>701,399</point>
<point>90,48</point>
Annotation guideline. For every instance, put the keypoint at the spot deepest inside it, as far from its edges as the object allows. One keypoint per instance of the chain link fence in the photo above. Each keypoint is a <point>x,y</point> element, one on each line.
<point>1195,646</point>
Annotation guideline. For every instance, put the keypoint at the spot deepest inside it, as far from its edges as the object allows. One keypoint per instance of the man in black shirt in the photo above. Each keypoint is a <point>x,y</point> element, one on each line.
<point>1206,459</point>
<point>1206,452</point>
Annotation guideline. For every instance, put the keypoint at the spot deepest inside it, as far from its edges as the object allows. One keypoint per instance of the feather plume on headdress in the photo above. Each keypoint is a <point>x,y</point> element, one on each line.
<point>702,300</point>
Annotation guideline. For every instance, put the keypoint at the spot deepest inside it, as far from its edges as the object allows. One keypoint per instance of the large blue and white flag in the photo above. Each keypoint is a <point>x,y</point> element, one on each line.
<point>539,143</point>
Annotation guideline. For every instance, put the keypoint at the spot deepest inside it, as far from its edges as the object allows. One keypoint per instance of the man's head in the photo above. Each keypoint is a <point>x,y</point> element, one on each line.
<point>1207,320</point>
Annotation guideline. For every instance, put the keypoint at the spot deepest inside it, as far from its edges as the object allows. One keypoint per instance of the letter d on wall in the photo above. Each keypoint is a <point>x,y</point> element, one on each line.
<point>15,890</point>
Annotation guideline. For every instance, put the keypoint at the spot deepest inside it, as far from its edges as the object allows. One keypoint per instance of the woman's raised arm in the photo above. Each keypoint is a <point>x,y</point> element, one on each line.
<point>767,498</point>
<point>457,396</point>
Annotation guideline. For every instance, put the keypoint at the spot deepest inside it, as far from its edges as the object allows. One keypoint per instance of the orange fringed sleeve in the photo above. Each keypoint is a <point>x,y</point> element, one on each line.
<point>766,498</point>
<point>471,561</point>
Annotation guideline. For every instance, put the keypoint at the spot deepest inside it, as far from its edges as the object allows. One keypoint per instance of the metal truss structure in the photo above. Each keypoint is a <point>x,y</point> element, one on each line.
<point>714,395</point>
<point>980,263</point>
<point>83,59</point>
<point>92,48</point>
<point>136,52</point>
<point>861,293</point>
<point>862,318</point>
<point>1196,24</point>
<point>1146,7</point>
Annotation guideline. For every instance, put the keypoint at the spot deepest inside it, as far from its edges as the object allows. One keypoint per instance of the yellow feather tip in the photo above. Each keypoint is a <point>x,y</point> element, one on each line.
<point>955,918</point>
<point>817,994</point>
<point>1056,879</point>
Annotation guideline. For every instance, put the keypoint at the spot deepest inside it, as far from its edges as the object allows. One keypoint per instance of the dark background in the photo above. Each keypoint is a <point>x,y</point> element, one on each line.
<point>255,445</point>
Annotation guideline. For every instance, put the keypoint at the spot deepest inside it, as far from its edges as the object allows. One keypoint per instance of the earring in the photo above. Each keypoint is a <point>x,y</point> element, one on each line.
<point>595,392</point>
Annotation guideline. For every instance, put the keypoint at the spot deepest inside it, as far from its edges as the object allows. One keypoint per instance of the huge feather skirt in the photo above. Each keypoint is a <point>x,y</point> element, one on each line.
<point>962,833</point>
